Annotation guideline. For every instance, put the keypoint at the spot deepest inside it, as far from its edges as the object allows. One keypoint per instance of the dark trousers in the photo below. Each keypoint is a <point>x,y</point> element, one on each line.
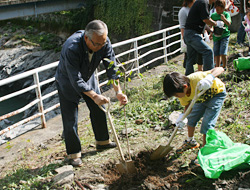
<point>241,32</point>
<point>199,60</point>
<point>69,112</point>
<point>195,43</point>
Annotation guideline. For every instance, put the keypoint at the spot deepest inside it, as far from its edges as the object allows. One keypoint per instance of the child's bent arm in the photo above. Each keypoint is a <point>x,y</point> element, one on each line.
<point>217,71</point>
<point>225,20</point>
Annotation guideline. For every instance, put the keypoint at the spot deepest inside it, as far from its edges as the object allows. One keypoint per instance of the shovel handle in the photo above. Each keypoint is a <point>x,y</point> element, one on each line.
<point>172,136</point>
<point>113,130</point>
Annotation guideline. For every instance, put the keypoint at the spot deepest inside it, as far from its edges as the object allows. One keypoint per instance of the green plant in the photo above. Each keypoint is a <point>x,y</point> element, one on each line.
<point>9,146</point>
<point>121,16</point>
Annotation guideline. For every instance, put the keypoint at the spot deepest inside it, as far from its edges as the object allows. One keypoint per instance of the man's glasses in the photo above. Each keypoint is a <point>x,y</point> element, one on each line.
<point>98,44</point>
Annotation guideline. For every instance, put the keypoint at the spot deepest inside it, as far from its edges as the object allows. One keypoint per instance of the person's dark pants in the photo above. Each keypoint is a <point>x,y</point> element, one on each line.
<point>69,112</point>
<point>185,60</point>
<point>199,60</point>
<point>241,32</point>
<point>196,44</point>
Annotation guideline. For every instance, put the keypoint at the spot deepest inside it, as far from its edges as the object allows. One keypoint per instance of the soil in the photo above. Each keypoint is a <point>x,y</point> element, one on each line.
<point>171,172</point>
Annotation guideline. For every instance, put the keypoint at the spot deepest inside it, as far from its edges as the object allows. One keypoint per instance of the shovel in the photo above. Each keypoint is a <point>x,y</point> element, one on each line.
<point>162,151</point>
<point>126,166</point>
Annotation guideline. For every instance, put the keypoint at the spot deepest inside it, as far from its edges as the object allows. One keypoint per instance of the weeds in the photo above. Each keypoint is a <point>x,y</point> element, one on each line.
<point>24,178</point>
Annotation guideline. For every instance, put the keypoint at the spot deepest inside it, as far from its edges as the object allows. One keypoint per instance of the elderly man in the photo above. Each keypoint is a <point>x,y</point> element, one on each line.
<point>196,22</point>
<point>80,56</point>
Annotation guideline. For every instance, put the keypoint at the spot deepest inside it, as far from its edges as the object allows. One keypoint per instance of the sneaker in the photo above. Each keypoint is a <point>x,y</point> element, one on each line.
<point>106,146</point>
<point>77,162</point>
<point>188,145</point>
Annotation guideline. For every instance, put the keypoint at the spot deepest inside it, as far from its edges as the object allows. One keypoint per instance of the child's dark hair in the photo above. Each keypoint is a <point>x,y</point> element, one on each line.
<point>220,3</point>
<point>187,2</point>
<point>173,83</point>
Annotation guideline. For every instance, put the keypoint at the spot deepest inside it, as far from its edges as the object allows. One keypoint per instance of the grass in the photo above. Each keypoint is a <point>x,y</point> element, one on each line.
<point>146,102</point>
<point>27,178</point>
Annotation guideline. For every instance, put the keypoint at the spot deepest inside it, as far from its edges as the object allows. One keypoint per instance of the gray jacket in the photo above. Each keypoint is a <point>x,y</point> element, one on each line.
<point>75,74</point>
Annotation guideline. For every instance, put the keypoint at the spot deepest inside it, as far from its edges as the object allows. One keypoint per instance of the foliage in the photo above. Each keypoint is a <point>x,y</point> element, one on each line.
<point>124,15</point>
<point>78,18</point>
<point>120,16</point>
<point>31,36</point>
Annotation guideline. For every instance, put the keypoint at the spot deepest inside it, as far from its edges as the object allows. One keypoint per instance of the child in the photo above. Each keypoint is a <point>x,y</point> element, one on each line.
<point>246,23</point>
<point>221,40</point>
<point>207,106</point>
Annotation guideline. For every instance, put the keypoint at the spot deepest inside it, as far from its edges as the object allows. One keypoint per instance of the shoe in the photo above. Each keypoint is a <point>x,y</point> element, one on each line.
<point>106,146</point>
<point>77,162</point>
<point>188,145</point>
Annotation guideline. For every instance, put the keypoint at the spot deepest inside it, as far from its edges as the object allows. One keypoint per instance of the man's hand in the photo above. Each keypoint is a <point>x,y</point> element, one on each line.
<point>100,99</point>
<point>122,98</point>
<point>205,83</point>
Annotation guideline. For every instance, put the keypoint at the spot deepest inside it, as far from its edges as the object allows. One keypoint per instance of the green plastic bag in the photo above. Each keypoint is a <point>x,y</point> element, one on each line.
<point>221,154</point>
<point>242,63</point>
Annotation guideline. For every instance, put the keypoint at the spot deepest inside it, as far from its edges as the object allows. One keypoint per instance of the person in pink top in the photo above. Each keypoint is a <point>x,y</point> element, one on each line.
<point>246,23</point>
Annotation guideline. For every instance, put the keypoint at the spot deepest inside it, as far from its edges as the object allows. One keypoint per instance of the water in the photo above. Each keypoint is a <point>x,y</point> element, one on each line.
<point>10,105</point>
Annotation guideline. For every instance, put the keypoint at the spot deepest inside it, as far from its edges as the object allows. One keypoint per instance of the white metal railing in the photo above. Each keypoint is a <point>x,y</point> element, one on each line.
<point>176,10</point>
<point>140,47</point>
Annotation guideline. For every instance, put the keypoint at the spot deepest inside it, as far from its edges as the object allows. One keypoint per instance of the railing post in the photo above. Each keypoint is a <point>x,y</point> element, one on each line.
<point>136,56</point>
<point>39,97</point>
<point>96,76</point>
<point>165,45</point>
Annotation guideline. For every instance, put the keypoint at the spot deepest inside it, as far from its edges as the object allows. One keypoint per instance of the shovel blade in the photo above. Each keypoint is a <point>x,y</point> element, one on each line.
<point>126,167</point>
<point>160,152</point>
